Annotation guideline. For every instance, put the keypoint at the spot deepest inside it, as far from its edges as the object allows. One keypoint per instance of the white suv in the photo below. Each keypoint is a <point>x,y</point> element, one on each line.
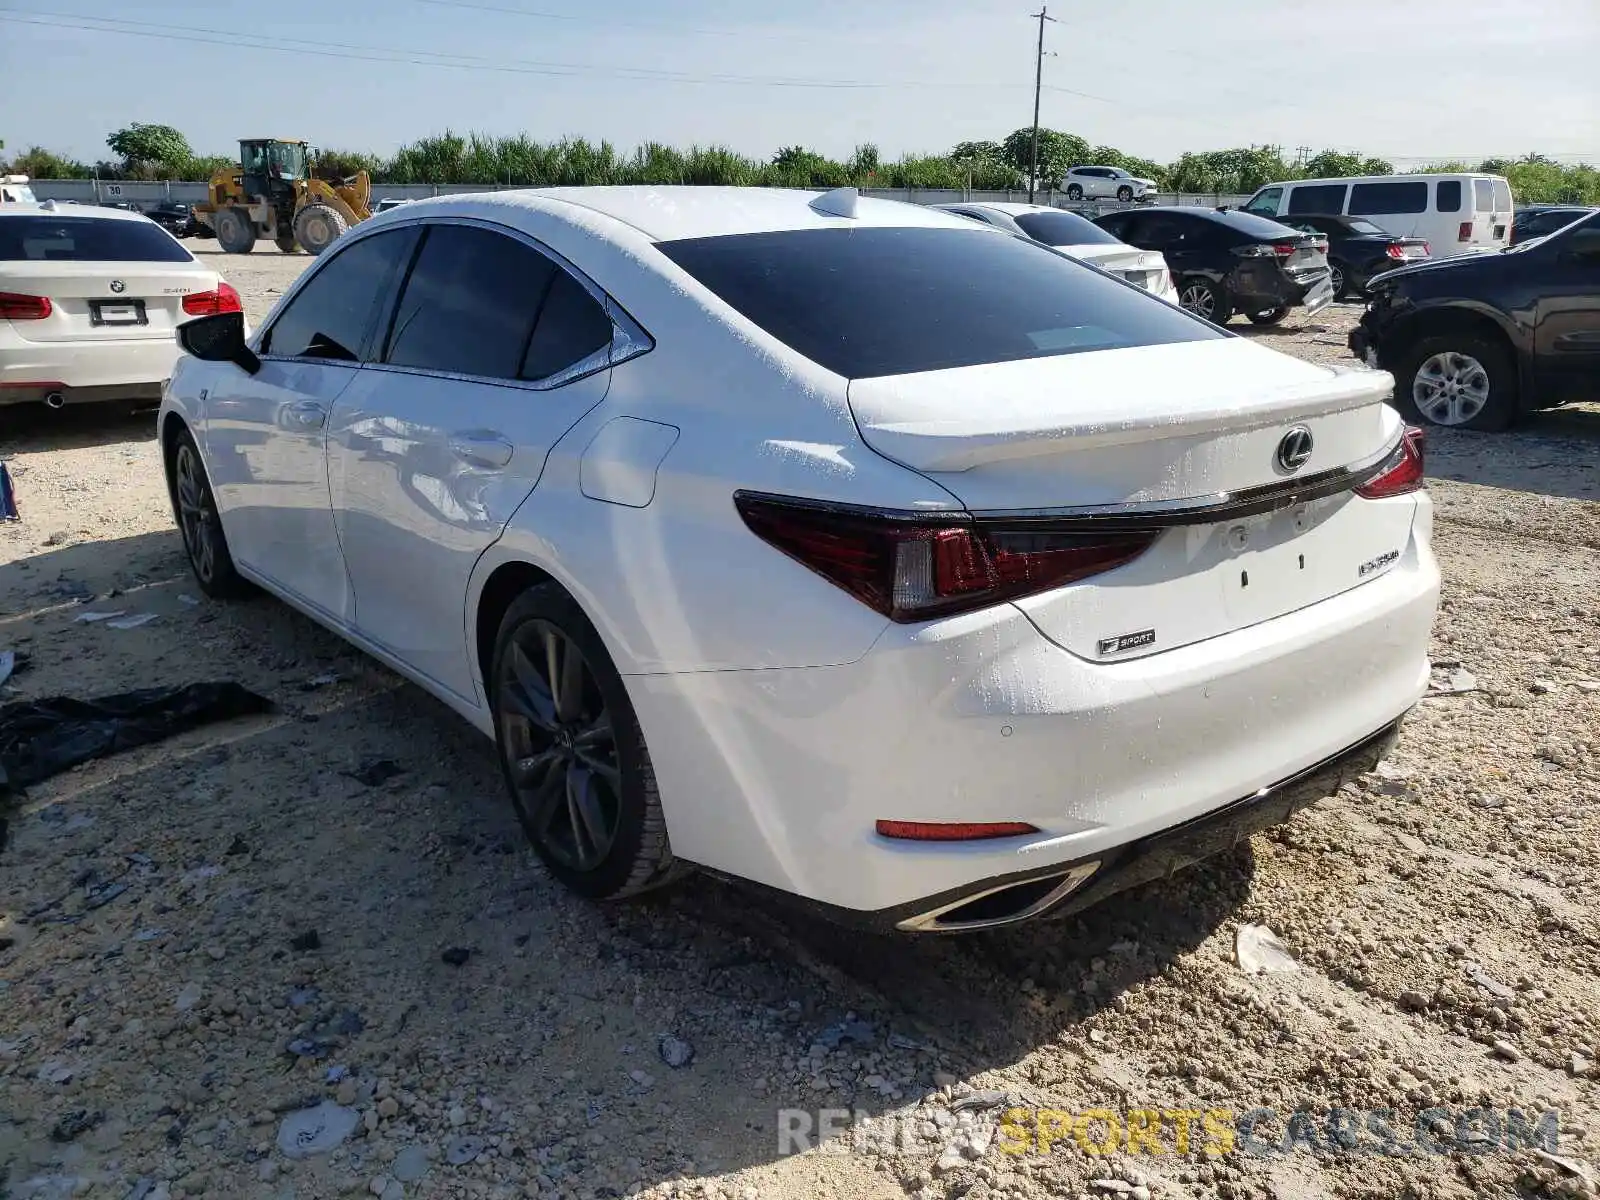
<point>1107,183</point>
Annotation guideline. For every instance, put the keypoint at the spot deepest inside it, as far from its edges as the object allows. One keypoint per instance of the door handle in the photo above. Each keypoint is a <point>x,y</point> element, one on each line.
<point>481,449</point>
<point>307,414</point>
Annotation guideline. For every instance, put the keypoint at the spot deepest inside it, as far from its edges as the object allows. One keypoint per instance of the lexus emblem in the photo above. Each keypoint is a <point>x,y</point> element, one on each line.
<point>1294,451</point>
<point>118,286</point>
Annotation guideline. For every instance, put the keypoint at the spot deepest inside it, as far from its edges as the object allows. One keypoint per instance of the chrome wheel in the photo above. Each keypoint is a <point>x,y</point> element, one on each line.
<point>1450,388</point>
<point>561,751</point>
<point>1336,278</point>
<point>1198,299</point>
<point>197,513</point>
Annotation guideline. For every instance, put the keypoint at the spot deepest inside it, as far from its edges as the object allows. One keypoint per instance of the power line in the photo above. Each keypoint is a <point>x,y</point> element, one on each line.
<point>653,26</point>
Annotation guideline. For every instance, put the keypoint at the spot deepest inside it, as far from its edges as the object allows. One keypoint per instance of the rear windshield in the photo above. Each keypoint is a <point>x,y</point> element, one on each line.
<point>1063,229</point>
<point>1243,222</point>
<point>86,239</point>
<point>1362,227</point>
<point>894,301</point>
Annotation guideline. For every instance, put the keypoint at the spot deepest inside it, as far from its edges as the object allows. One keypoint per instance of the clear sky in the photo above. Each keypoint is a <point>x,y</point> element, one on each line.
<point>1406,79</point>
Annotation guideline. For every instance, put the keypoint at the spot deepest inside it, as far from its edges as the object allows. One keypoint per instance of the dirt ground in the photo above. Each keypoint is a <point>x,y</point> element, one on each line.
<point>201,940</point>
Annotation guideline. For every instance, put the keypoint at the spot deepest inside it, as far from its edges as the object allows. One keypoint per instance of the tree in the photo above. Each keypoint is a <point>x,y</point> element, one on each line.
<point>142,147</point>
<point>1058,153</point>
<point>976,152</point>
<point>38,163</point>
<point>865,161</point>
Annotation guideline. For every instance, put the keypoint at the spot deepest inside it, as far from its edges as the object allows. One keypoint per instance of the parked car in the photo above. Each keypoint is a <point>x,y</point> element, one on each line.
<point>1077,236</point>
<point>1477,342</point>
<point>90,301</point>
<point>1107,183</point>
<point>835,544</point>
<point>1231,262</point>
<point>1537,220</point>
<point>177,219</point>
<point>1455,214</point>
<point>121,206</point>
<point>15,189</point>
<point>1358,250</point>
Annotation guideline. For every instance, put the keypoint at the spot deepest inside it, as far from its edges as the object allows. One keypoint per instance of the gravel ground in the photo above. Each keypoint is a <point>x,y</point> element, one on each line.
<point>204,940</point>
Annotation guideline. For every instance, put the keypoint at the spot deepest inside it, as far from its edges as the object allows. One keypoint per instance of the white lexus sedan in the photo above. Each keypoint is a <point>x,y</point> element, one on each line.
<point>1079,237</point>
<point>841,546</point>
<point>90,303</point>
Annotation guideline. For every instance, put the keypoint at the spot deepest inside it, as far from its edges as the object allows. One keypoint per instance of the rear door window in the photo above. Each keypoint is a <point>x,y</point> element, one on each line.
<point>1448,197</point>
<point>86,239</point>
<point>1502,196</point>
<point>332,316</point>
<point>572,327</point>
<point>876,301</point>
<point>1317,198</point>
<point>1266,203</point>
<point>1368,199</point>
<point>1483,195</point>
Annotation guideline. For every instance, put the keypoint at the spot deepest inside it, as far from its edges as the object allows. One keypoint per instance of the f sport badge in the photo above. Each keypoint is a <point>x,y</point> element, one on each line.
<point>1127,641</point>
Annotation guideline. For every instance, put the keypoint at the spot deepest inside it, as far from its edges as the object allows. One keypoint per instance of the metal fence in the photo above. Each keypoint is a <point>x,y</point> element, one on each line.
<point>95,191</point>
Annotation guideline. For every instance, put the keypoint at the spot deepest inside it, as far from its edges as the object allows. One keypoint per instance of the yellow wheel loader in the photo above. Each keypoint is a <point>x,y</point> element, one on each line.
<point>273,193</point>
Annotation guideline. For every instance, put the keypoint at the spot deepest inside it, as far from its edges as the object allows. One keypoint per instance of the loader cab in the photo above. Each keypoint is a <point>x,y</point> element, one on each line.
<point>272,167</point>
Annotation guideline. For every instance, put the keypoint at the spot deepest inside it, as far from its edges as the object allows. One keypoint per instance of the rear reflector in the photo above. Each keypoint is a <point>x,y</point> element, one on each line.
<point>208,304</point>
<point>1464,234</point>
<point>913,567</point>
<point>953,831</point>
<point>1402,473</point>
<point>17,307</point>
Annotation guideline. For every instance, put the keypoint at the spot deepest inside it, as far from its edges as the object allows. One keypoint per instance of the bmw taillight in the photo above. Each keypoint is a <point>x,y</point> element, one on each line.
<point>1403,471</point>
<point>914,567</point>
<point>208,304</point>
<point>17,307</point>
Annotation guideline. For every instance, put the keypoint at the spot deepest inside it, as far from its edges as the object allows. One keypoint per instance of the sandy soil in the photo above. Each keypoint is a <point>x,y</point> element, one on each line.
<point>165,1010</point>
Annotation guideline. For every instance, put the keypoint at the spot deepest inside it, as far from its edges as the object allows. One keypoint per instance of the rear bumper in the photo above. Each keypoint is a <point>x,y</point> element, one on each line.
<point>778,776</point>
<point>98,370</point>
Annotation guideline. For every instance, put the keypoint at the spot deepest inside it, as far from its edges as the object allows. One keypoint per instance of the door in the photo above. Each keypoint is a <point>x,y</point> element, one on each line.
<point>493,352</point>
<point>1178,238</point>
<point>1567,337</point>
<point>265,432</point>
<point>1265,202</point>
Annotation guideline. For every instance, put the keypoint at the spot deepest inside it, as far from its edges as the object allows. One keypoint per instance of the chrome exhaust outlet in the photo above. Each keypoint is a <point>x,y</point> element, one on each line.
<point>55,400</point>
<point>997,906</point>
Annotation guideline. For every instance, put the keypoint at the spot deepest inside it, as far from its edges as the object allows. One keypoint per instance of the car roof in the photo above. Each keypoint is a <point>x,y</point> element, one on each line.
<point>80,211</point>
<point>1244,222</point>
<point>671,213</point>
<point>1010,208</point>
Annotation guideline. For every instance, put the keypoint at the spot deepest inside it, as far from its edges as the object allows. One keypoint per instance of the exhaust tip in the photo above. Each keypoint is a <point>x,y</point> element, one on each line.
<point>1003,905</point>
<point>55,400</point>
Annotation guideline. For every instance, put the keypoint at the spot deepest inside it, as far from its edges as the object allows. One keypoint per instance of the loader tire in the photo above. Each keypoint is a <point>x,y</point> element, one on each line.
<point>318,226</point>
<point>235,234</point>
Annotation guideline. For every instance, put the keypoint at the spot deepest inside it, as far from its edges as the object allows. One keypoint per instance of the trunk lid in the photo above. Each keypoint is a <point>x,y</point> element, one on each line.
<point>1143,268</point>
<point>1151,431</point>
<point>105,301</point>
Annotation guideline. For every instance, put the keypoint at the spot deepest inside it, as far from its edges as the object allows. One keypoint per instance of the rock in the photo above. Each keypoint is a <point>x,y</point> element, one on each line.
<point>375,772</point>
<point>456,956</point>
<point>216,953</point>
<point>188,997</point>
<point>1488,982</point>
<point>950,1159</point>
<point>379,1185</point>
<point>316,1130</point>
<point>79,1121</point>
<point>1259,952</point>
<point>410,1165</point>
<point>1542,687</point>
<point>388,1107</point>
<point>1577,1064</point>
<point>1588,685</point>
<point>1507,1051</point>
<point>943,1079</point>
<point>674,1051</point>
<point>459,1151</point>
<point>267,1170</point>
<point>980,1100</point>
<point>347,1093</point>
<point>642,1078</point>
<point>1412,1001</point>
<point>305,941</point>
<point>457,1116</point>
<point>1117,1186</point>
<point>1140,1192</point>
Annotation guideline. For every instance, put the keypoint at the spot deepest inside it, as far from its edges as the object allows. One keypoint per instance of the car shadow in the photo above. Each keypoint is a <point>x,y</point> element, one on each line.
<point>1550,453</point>
<point>32,428</point>
<point>247,835</point>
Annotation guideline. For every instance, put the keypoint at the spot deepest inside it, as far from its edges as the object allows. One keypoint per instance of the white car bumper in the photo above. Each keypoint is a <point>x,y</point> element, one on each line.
<point>778,776</point>
<point>135,368</point>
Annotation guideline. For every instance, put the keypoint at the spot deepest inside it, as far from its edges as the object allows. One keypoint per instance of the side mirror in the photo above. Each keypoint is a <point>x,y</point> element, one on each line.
<point>219,338</point>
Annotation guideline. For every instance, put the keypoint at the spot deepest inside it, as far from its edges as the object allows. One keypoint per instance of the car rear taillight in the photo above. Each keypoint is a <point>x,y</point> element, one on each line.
<point>914,567</point>
<point>15,306</point>
<point>1403,471</point>
<point>1464,234</point>
<point>208,304</point>
<point>1284,249</point>
<point>1427,249</point>
<point>953,831</point>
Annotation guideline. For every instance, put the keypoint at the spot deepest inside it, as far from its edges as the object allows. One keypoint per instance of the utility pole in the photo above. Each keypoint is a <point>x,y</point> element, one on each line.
<point>1041,16</point>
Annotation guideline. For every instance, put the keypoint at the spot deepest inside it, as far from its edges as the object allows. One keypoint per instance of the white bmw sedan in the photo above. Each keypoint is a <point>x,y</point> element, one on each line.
<point>90,303</point>
<point>842,546</point>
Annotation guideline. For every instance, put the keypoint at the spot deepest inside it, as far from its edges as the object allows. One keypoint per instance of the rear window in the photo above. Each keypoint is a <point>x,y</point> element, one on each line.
<point>1449,196</point>
<point>893,301</point>
<point>1370,198</point>
<point>1363,227</point>
<point>1483,195</point>
<point>1317,198</point>
<point>1502,196</point>
<point>86,239</point>
<point>1063,229</point>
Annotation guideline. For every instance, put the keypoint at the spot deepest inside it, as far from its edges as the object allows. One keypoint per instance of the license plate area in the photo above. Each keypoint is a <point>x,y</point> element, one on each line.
<point>117,312</point>
<point>1319,297</point>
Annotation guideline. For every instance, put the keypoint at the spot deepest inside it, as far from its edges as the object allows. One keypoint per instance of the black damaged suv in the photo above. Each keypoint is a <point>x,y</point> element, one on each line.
<point>1477,340</point>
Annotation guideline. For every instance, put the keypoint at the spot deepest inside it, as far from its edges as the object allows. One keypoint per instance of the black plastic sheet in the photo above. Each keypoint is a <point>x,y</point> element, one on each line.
<point>41,738</point>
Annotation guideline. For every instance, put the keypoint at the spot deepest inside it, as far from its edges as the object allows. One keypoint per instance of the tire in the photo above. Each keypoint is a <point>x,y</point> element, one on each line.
<point>1336,277</point>
<point>1125,194</point>
<point>1205,299</point>
<point>1482,370</point>
<point>286,244</point>
<point>1074,191</point>
<point>235,234</point>
<point>617,845</point>
<point>195,508</point>
<point>318,226</point>
<point>1270,316</point>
